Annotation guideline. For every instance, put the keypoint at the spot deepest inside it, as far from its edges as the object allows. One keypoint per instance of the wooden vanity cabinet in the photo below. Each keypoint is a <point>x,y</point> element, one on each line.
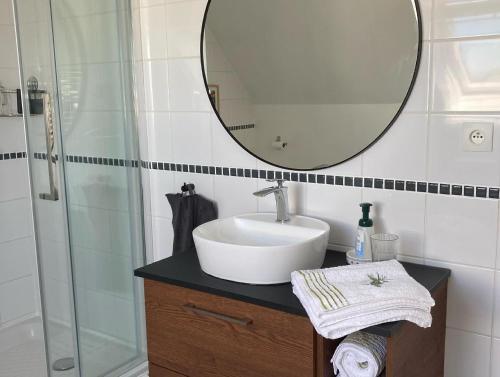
<point>196,334</point>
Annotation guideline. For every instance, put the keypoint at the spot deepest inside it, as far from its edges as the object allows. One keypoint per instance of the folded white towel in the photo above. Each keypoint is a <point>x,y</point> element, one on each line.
<point>344,299</point>
<point>360,355</point>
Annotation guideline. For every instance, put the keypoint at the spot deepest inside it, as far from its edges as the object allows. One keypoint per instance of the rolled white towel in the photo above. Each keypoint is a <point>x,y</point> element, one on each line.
<point>360,355</point>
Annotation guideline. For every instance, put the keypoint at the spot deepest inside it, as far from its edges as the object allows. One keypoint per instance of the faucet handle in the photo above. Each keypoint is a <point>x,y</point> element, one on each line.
<point>280,182</point>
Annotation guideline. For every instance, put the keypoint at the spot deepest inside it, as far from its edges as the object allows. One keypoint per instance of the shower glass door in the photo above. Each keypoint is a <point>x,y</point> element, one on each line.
<point>83,155</point>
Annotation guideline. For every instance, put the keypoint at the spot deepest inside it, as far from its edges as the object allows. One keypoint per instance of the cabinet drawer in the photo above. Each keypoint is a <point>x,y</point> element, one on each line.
<point>198,334</point>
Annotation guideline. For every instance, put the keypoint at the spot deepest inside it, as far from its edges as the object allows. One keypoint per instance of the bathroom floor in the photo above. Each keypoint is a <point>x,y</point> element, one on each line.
<point>22,351</point>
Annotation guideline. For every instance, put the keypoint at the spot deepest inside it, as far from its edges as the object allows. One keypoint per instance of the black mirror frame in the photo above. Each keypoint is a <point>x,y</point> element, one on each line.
<point>391,123</point>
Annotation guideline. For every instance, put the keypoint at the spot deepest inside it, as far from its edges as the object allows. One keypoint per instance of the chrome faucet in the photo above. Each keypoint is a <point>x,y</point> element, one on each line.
<point>281,195</point>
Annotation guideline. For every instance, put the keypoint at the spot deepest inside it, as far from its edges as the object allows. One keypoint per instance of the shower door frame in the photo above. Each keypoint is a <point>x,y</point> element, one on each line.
<point>61,188</point>
<point>135,366</point>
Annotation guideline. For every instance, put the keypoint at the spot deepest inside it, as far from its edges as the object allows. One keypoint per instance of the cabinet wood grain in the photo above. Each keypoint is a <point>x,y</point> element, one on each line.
<point>201,335</point>
<point>417,352</point>
<point>157,371</point>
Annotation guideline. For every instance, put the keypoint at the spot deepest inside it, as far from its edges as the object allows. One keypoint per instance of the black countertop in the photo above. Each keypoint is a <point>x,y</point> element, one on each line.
<point>184,270</point>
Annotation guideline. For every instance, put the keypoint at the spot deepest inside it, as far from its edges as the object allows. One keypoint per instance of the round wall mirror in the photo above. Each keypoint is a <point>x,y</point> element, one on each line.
<point>308,84</point>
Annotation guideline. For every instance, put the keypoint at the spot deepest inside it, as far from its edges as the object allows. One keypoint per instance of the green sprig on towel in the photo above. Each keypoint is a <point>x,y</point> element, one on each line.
<point>377,281</point>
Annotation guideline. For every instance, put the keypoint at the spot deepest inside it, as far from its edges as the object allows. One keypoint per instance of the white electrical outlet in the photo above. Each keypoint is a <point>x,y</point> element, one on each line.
<point>478,137</point>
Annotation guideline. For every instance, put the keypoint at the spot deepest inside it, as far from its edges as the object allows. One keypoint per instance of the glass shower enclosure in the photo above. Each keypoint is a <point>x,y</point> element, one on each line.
<point>75,67</point>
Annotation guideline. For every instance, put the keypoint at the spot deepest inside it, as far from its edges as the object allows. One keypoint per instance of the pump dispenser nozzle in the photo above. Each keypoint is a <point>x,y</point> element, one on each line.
<point>365,230</point>
<point>366,221</point>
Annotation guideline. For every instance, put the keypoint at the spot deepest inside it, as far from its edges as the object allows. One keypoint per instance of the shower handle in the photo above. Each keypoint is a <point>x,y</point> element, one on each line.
<point>53,195</point>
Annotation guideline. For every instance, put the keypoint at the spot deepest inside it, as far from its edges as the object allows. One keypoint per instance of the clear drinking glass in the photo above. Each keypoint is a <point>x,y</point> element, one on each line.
<point>384,246</point>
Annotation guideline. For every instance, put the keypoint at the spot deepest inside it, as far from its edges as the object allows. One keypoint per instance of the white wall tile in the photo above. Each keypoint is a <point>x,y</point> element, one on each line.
<point>98,186</point>
<point>54,259</point>
<point>146,191</point>
<point>401,213</point>
<point>193,138</point>
<point>401,153</point>
<point>15,182</point>
<point>15,221</point>
<point>447,160</point>
<point>148,3</point>
<point>184,28</point>
<point>94,133</point>
<point>120,224</point>
<point>419,97</point>
<point>234,195</point>
<point>187,89</point>
<point>498,246</point>
<point>226,151</point>
<point>296,197</point>
<point>339,206</point>
<point>49,217</point>
<point>90,228</point>
<point>140,86</point>
<point>454,18</point>
<point>495,358</point>
<point>496,314</point>
<point>353,167</point>
<point>426,13</point>
<point>204,184</point>
<point>470,297</point>
<point>8,42</point>
<point>9,77</point>
<point>12,139</point>
<point>461,230</point>
<point>467,354</point>
<point>159,136</point>
<point>404,258</point>
<point>99,78</point>
<point>162,183</point>
<point>136,31</point>
<point>466,75</point>
<point>163,238</point>
<point>57,302</point>
<point>156,86</point>
<point>154,32</point>
<point>148,238</point>
<point>17,259</point>
<point>17,298</point>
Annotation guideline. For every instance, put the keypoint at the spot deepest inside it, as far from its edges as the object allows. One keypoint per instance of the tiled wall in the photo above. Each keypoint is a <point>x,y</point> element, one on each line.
<point>458,82</point>
<point>18,274</point>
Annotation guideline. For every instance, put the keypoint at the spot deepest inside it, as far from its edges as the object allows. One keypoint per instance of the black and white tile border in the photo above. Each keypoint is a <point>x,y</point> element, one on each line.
<point>375,183</point>
<point>241,127</point>
<point>12,156</point>
<point>108,161</point>
<point>438,188</point>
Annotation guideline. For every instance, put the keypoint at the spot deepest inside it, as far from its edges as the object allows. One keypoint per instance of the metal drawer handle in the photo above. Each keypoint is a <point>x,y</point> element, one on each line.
<point>207,313</point>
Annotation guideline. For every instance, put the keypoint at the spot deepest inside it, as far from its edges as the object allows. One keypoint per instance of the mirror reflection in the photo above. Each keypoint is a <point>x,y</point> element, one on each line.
<point>307,84</point>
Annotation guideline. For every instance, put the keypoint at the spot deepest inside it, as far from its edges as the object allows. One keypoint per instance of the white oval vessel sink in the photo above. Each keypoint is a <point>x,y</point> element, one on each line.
<point>256,249</point>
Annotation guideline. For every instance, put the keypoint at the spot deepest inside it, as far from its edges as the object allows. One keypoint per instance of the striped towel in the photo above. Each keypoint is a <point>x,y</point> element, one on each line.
<point>360,355</point>
<point>342,300</point>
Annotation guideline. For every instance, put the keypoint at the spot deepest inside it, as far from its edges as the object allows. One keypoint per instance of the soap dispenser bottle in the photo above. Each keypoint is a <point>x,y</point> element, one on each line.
<point>365,230</point>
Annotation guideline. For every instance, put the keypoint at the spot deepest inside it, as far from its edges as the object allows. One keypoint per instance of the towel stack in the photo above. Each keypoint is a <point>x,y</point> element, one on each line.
<point>360,355</point>
<point>342,300</point>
